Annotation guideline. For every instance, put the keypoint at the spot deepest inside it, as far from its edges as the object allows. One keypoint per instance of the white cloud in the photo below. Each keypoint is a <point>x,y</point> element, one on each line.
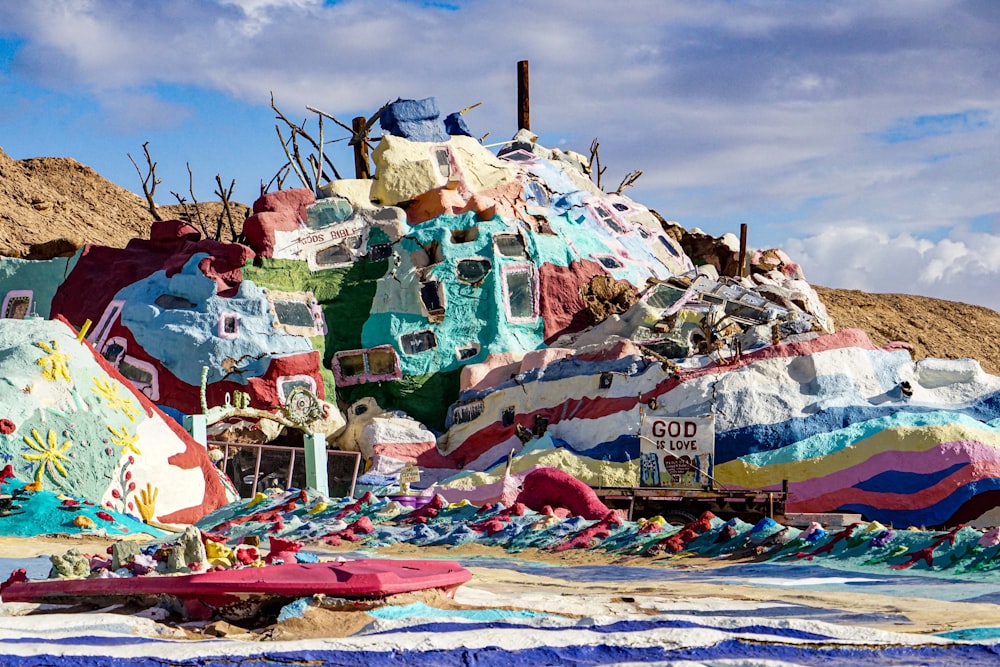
<point>962,267</point>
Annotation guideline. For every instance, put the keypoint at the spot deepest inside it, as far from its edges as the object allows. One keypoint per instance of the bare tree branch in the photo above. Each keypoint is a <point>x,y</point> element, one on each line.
<point>628,181</point>
<point>594,163</point>
<point>149,181</point>
<point>227,212</point>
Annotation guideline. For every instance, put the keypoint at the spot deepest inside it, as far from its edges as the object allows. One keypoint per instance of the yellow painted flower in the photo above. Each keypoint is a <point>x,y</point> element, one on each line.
<point>54,365</point>
<point>50,454</point>
<point>124,439</point>
<point>108,390</point>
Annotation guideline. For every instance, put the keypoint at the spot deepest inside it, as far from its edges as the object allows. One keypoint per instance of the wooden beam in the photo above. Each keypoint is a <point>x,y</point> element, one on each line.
<point>743,250</point>
<point>361,168</point>
<point>523,101</point>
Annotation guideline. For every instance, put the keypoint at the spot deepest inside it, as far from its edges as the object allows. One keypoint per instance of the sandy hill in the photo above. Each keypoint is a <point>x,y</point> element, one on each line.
<point>49,205</point>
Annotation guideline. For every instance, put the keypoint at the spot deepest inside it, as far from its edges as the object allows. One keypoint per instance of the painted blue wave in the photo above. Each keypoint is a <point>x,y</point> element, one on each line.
<point>862,420</point>
<point>906,482</point>
<point>938,514</point>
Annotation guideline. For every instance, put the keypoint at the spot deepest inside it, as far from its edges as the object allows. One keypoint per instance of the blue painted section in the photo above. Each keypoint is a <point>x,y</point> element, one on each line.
<point>931,515</point>
<point>894,481</point>
<point>187,339</point>
<point>831,430</point>
<point>567,369</point>
<point>416,120</point>
<point>423,610</point>
<point>824,655</point>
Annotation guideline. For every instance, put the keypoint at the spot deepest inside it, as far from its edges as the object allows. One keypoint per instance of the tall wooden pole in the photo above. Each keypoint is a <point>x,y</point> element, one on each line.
<point>361,169</point>
<point>743,250</point>
<point>523,101</point>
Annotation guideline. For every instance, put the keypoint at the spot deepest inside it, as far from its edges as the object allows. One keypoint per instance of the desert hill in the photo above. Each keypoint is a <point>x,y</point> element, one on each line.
<point>49,206</point>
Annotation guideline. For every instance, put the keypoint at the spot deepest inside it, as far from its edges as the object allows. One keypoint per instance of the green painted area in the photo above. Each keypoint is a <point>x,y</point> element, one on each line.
<point>41,277</point>
<point>425,398</point>
<point>344,294</point>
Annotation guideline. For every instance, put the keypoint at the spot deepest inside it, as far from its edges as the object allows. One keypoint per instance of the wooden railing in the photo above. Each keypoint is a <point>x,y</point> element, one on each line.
<point>230,450</point>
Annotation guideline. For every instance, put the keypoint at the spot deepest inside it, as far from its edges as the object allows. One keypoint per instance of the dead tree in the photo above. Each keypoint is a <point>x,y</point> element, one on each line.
<point>309,168</point>
<point>594,167</point>
<point>192,213</point>
<point>226,212</point>
<point>594,163</point>
<point>360,130</point>
<point>149,181</point>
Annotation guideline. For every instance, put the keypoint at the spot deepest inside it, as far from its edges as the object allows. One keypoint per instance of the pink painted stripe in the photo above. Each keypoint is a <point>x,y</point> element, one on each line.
<point>900,501</point>
<point>942,455</point>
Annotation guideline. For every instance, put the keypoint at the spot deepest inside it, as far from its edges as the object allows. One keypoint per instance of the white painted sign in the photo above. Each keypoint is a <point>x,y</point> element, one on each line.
<point>676,451</point>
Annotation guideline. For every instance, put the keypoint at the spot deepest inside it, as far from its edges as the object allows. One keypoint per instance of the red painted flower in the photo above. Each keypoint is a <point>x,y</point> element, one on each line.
<point>7,426</point>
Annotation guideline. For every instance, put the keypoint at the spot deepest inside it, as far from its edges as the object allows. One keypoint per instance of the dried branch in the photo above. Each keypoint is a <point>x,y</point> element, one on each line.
<point>149,181</point>
<point>278,179</point>
<point>628,181</point>
<point>594,163</point>
<point>197,209</point>
<point>227,212</point>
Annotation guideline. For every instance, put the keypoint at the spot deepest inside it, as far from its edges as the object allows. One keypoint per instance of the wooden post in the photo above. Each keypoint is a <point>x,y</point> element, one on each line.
<point>523,102</point>
<point>361,169</point>
<point>743,250</point>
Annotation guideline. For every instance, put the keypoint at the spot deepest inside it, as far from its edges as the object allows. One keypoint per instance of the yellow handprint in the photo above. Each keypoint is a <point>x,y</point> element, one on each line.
<point>146,502</point>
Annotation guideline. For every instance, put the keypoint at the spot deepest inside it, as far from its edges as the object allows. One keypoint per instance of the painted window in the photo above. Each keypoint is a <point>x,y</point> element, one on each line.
<point>417,342</point>
<point>142,375</point>
<point>606,218</point>
<point>293,313</point>
<point>433,299</point>
<point>286,383</point>
<point>609,261</point>
<point>535,193</point>
<point>519,155</point>
<point>379,251</point>
<point>510,245</point>
<point>669,245</point>
<point>100,332</point>
<point>520,292</point>
<point>334,255</point>
<point>376,364</point>
<point>466,352</point>
<point>229,325</point>
<point>328,211</point>
<point>114,350</point>
<point>472,270</point>
<point>297,314</point>
<point>172,302</point>
<point>462,414</point>
<point>464,235</point>
<point>442,160</point>
<point>17,304</point>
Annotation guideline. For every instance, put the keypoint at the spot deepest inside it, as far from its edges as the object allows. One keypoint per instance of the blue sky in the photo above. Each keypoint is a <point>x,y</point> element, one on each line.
<point>860,136</point>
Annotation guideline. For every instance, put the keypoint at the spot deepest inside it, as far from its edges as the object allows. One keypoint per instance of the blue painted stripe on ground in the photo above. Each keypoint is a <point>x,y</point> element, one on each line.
<point>949,655</point>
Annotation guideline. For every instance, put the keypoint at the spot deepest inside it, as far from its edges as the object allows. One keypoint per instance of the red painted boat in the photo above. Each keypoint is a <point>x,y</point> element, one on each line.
<point>232,590</point>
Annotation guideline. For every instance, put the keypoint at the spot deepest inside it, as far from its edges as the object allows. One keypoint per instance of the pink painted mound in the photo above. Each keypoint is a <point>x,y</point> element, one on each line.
<point>365,578</point>
<point>553,487</point>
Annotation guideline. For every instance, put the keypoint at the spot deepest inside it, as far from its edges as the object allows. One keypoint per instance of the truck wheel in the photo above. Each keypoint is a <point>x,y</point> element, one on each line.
<point>678,517</point>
